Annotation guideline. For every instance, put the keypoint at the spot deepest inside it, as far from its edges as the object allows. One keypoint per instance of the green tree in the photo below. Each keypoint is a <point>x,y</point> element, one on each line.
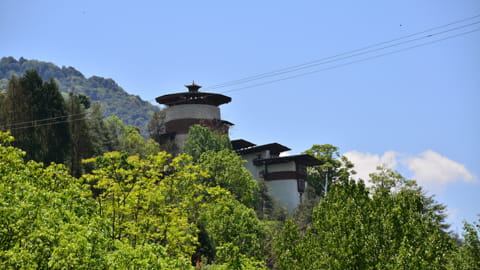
<point>47,220</point>
<point>130,212</point>
<point>467,255</point>
<point>202,139</point>
<point>138,218</point>
<point>46,102</point>
<point>103,140</point>
<point>17,116</point>
<point>333,168</point>
<point>233,231</point>
<point>129,139</point>
<point>226,170</point>
<point>392,226</point>
<point>165,204</point>
<point>37,116</point>
<point>81,145</point>
<point>144,205</point>
<point>288,247</point>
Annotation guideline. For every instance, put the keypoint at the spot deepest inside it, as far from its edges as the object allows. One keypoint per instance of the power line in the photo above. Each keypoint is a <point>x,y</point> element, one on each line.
<point>44,119</point>
<point>341,54</point>
<point>46,124</point>
<point>346,55</point>
<point>353,62</point>
<point>285,71</point>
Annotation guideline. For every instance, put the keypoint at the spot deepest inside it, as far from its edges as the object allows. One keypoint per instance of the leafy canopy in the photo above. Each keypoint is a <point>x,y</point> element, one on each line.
<point>202,139</point>
<point>386,227</point>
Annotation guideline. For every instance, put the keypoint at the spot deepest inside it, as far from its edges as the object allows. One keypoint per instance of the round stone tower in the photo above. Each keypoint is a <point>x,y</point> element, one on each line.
<point>189,108</point>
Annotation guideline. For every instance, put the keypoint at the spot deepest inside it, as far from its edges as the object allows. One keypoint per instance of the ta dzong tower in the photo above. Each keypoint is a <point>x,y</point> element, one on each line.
<point>189,108</point>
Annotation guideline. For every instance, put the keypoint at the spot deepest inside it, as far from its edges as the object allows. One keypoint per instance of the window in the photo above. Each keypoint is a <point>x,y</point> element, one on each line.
<point>301,185</point>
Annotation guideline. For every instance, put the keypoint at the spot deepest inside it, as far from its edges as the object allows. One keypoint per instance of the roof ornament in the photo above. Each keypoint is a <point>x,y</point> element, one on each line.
<point>193,88</point>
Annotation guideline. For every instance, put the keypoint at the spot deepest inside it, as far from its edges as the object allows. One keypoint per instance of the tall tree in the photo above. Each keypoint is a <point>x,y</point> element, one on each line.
<point>2,110</point>
<point>47,103</point>
<point>81,146</point>
<point>16,114</point>
<point>37,117</point>
<point>103,140</point>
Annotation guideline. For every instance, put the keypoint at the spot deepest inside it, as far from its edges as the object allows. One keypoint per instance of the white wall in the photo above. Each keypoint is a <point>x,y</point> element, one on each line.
<point>285,193</point>
<point>254,170</point>
<point>195,111</point>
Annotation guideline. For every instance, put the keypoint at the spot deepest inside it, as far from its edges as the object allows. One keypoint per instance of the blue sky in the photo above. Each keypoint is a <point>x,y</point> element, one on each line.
<point>416,111</point>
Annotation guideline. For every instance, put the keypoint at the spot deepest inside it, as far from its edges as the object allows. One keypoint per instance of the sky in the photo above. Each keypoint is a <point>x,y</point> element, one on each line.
<point>411,103</point>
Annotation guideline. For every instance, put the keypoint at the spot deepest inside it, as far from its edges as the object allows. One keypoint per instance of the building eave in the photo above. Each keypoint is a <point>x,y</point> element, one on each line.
<point>193,98</point>
<point>241,144</point>
<point>273,147</point>
<point>305,159</point>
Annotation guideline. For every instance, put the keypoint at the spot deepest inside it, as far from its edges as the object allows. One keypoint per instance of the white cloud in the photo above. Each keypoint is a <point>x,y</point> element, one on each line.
<point>430,169</point>
<point>366,163</point>
<point>434,171</point>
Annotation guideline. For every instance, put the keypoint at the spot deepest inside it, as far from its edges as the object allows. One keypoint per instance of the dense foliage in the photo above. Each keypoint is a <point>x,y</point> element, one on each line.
<point>201,139</point>
<point>132,110</point>
<point>153,211</point>
<point>467,256</point>
<point>118,202</point>
<point>334,168</point>
<point>130,212</point>
<point>53,129</point>
<point>27,102</point>
<point>392,225</point>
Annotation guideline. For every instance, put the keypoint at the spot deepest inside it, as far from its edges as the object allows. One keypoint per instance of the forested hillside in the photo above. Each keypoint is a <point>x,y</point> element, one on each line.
<point>131,109</point>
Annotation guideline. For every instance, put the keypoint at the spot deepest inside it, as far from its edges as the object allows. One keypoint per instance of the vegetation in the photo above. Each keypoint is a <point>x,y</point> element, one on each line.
<point>467,256</point>
<point>27,100</point>
<point>50,128</point>
<point>132,110</point>
<point>118,202</point>
<point>393,225</point>
<point>201,140</point>
<point>130,212</point>
<point>334,168</point>
<point>157,212</point>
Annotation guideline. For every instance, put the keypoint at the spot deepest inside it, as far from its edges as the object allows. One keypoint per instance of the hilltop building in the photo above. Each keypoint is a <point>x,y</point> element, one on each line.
<point>285,176</point>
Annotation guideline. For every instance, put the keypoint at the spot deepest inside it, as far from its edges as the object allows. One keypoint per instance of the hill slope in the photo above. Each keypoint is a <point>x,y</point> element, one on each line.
<point>131,109</point>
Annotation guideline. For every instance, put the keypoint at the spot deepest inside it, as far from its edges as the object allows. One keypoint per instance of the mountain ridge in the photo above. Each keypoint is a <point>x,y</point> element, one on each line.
<point>131,109</point>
